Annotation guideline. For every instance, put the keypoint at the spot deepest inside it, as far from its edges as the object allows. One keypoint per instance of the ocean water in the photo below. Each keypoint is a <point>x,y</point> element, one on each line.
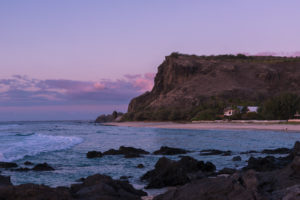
<point>64,144</point>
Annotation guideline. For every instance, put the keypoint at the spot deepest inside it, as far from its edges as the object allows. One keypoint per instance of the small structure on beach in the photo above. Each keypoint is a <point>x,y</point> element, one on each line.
<point>297,115</point>
<point>229,111</point>
<point>296,118</point>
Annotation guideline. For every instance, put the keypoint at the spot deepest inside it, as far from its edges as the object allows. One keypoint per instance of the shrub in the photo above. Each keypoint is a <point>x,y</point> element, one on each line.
<point>281,107</point>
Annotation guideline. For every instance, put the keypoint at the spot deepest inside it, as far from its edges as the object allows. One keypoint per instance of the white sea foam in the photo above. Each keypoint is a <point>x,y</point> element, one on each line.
<point>17,147</point>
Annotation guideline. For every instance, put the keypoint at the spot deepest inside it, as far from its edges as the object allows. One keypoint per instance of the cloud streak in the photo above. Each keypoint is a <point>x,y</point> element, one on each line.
<point>25,91</point>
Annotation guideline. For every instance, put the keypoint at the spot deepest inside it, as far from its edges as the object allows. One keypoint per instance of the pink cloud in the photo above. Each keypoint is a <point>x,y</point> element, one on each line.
<point>142,82</point>
<point>285,54</point>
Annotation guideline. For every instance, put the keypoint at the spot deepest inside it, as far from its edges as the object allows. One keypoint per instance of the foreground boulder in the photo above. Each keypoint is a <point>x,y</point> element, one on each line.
<point>271,182</point>
<point>4,181</point>
<point>172,173</point>
<point>34,192</point>
<point>93,187</point>
<point>280,184</point>
<point>164,150</point>
<point>104,187</point>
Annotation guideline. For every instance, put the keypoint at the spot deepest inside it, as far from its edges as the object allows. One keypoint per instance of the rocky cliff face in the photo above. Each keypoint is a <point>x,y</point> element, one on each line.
<point>184,82</point>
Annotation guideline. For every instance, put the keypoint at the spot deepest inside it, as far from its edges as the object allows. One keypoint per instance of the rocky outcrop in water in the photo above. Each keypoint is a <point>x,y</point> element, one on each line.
<point>211,152</point>
<point>43,167</point>
<point>7,165</point>
<point>126,151</point>
<point>164,150</point>
<point>114,117</point>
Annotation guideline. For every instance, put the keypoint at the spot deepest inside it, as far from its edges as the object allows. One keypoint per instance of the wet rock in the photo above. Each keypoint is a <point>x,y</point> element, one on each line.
<point>140,166</point>
<point>277,151</point>
<point>104,187</point>
<point>210,152</point>
<point>34,192</point>
<point>268,163</point>
<point>172,173</point>
<point>237,158</point>
<point>249,152</point>
<point>227,171</point>
<point>4,181</point>
<point>219,188</point>
<point>7,165</point>
<point>164,150</point>
<point>28,163</point>
<point>93,187</point>
<point>21,169</point>
<point>43,167</point>
<point>125,177</point>
<point>94,154</point>
<point>80,180</point>
<point>128,152</point>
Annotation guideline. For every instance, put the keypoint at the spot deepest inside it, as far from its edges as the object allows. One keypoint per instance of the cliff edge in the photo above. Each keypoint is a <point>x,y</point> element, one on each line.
<point>185,84</point>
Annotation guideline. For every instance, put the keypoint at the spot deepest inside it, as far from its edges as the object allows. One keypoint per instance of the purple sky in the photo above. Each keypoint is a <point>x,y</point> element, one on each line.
<point>76,59</point>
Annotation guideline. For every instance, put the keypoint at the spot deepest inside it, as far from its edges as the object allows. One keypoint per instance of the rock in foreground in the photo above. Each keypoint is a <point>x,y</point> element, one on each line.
<point>276,179</point>
<point>93,187</point>
<point>172,173</point>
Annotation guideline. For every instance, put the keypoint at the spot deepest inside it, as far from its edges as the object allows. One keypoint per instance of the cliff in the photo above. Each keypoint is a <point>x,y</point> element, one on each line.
<point>185,83</point>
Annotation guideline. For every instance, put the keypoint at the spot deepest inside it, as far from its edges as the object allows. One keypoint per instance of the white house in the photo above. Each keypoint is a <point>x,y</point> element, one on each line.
<point>229,111</point>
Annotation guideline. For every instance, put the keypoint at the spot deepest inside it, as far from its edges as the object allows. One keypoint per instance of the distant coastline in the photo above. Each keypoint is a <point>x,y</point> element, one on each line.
<point>266,125</point>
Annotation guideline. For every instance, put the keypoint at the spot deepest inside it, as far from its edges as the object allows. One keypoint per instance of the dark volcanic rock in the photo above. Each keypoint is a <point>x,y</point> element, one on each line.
<point>125,177</point>
<point>210,152</point>
<point>140,166</point>
<point>171,173</point>
<point>237,158</point>
<point>277,151</point>
<point>227,171</point>
<point>8,165</point>
<point>114,117</point>
<point>4,181</point>
<point>279,184</point>
<point>104,187</point>
<point>266,164</point>
<point>28,163</point>
<point>43,167</point>
<point>34,192</point>
<point>93,188</point>
<point>164,150</point>
<point>94,154</point>
<point>249,152</point>
<point>21,169</point>
<point>129,152</point>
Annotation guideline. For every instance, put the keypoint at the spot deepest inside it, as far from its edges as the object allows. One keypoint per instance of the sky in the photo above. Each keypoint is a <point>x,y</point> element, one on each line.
<point>76,59</point>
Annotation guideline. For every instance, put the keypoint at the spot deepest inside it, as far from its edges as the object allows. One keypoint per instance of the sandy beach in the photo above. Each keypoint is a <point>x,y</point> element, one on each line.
<point>212,125</point>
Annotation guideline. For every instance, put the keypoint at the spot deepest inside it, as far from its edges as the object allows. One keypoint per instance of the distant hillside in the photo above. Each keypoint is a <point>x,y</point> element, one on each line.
<point>187,84</point>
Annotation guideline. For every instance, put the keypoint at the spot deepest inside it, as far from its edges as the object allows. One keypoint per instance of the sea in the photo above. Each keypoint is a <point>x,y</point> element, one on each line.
<point>64,144</point>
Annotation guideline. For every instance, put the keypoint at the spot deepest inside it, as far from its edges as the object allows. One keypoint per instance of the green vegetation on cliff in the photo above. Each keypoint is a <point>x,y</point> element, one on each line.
<point>189,87</point>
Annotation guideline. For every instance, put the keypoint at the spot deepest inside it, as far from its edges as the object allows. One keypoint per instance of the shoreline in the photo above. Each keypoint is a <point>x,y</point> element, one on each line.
<point>270,126</point>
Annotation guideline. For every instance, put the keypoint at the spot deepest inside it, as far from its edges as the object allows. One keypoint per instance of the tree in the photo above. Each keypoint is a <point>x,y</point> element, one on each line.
<point>281,107</point>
